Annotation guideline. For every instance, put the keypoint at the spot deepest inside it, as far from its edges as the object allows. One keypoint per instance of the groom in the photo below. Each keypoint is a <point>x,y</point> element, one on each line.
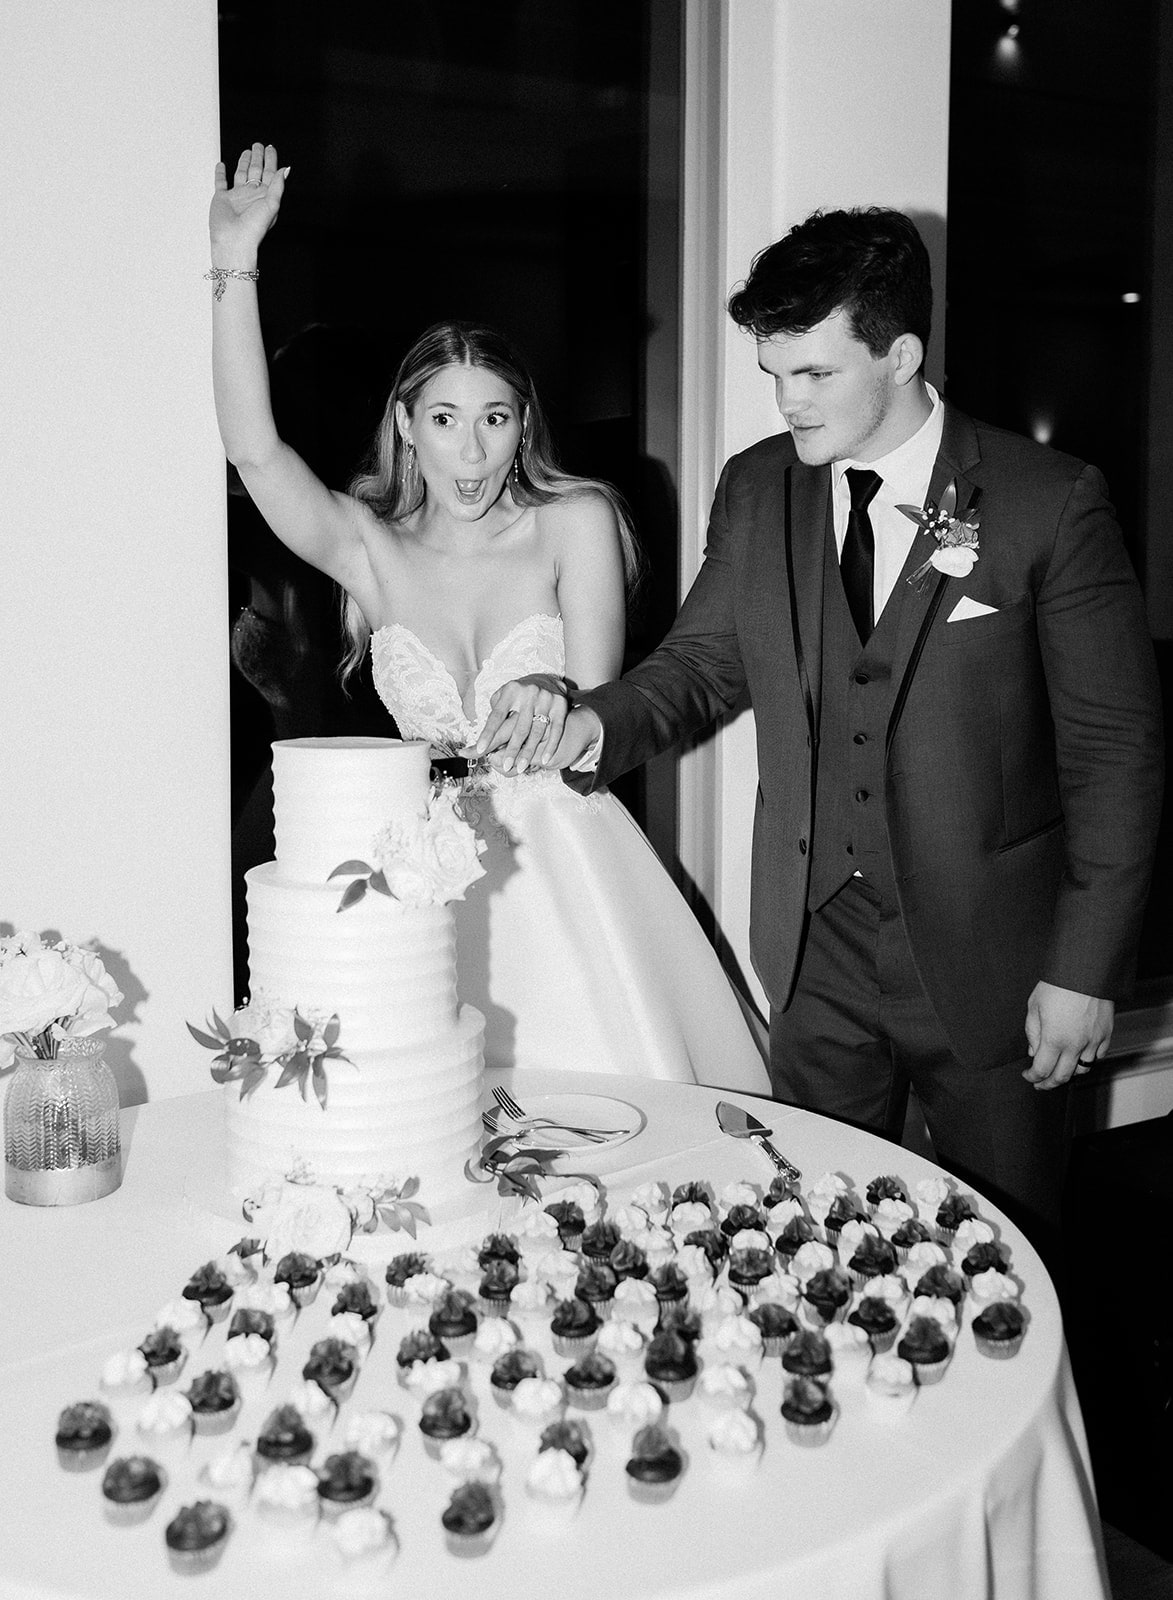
<point>958,727</point>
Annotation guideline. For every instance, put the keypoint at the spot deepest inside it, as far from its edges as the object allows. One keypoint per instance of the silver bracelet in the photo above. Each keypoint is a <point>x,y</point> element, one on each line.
<point>220,276</point>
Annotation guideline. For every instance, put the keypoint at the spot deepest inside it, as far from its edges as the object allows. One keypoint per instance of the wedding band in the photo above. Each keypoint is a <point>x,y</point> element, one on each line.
<point>538,717</point>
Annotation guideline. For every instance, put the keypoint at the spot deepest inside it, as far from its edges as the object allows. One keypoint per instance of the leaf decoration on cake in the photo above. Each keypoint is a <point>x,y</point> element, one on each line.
<point>395,1207</point>
<point>297,1045</point>
<point>365,877</point>
<point>516,1171</point>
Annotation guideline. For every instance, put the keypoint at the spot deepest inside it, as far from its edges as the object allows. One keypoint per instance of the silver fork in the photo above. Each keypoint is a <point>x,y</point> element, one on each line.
<point>508,1104</point>
<point>511,1109</point>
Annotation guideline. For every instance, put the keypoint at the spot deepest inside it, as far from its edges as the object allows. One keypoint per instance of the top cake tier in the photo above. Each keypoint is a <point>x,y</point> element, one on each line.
<point>332,796</point>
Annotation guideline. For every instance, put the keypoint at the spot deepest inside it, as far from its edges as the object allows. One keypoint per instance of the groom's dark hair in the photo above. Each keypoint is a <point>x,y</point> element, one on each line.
<point>869,262</point>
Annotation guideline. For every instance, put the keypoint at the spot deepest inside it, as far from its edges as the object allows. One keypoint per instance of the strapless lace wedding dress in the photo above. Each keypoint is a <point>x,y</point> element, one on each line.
<point>576,944</point>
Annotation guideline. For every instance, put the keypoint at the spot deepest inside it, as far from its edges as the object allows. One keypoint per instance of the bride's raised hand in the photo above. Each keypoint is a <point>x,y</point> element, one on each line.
<point>241,215</point>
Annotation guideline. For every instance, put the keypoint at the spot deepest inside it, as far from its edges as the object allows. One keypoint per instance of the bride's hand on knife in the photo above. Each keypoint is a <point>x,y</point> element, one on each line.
<point>241,216</point>
<point>525,723</point>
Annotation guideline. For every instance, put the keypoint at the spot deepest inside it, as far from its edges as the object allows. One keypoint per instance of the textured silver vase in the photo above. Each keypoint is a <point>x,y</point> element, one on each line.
<point>61,1144</point>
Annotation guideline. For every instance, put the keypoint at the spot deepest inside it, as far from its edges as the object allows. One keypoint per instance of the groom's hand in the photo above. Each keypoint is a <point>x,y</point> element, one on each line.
<point>581,731</point>
<point>1066,1033</point>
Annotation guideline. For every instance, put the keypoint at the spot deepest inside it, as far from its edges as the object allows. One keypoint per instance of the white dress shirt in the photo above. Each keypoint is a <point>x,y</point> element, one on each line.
<point>906,472</point>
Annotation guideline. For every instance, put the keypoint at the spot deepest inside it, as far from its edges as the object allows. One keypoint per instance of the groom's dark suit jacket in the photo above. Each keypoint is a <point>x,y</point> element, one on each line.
<point>1023,768</point>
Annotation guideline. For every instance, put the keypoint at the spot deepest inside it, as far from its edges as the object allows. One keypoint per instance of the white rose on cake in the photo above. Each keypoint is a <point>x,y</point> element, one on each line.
<point>307,1217</point>
<point>429,860</point>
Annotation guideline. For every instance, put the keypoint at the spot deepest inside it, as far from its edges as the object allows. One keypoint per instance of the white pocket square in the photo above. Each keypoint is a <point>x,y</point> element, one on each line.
<point>966,607</point>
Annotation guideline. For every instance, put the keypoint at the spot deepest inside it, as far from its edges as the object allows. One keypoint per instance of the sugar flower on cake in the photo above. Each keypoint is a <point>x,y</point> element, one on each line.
<point>310,1218</point>
<point>49,993</point>
<point>265,1033</point>
<point>429,860</point>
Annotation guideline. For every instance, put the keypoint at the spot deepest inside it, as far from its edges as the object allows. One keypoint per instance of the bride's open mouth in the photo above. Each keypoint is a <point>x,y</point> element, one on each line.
<point>470,489</point>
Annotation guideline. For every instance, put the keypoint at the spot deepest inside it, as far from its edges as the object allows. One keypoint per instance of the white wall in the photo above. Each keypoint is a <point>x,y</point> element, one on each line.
<point>789,106</point>
<point>113,590</point>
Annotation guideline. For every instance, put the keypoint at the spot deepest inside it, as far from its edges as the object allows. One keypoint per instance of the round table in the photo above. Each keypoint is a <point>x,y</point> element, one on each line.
<point>982,1489</point>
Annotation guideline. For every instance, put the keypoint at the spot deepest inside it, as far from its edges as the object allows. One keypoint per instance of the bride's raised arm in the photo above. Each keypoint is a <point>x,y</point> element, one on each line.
<point>317,523</point>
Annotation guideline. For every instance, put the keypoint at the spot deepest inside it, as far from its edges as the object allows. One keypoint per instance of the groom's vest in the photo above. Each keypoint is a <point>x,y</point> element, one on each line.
<point>849,832</point>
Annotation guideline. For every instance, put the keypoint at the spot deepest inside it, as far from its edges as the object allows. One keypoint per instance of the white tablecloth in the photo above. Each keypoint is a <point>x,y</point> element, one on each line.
<point>982,1490</point>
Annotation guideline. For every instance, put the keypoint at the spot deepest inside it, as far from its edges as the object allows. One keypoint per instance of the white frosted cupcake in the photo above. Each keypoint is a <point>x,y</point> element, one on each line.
<point>317,1406</point>
<point>186,1317</point>
<point>635,1301</point>
<point>375,1434</point>
<point>365,1543</point>
<point>659,1245</point>
<point>987,1287</point>
<point>735,1340</point>
<point>577,1193</point>
<point>810,1258</point>
<point>532,1299</point>
<point>713,1302</point>
<point>634,1405</point>
<point>929,1194</point>
<point>693,1260</point>
<point>781,1289</point>
<point>689,1217</point>
<point>936,1306</point>
<point>751,1239</point>
<point>536,1403</point>
<point>632,1221</point>
<point>851,1351</point>
<point>890,1287</point>
<point>735,1446</point>
<point>823,1193</point>
<point>460,1267</point>
<point>970,1232</point>
<point>274,1298</point>
<point>624,1344</point>
<point>470,1460</point>
<point>352,1329</point>
<point>494,1337</point>
<point>165,1425</point>
<point>249,1358</point>
<point>342,1273</point>
<point>850,1235</point>
<point>560,1269</point>
<point>237,1271</point>
<point>890,1216</point>
<point>890,1387</point>
<point>723,1388</point>
<point>286,1499</point>
<point>536,1233</point>
<point>125,1375</point>
<point>654,1198</point>
<point>421,1292</point>
<point>920,1258</point>
<point>554,1489</point>
<point>429,1377</point>
<point>739,1193</point>
<point>230,1475</point>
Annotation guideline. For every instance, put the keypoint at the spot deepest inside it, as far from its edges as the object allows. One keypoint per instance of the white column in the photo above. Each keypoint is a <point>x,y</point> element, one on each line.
<point>789,106</point>
<point>114,786</point>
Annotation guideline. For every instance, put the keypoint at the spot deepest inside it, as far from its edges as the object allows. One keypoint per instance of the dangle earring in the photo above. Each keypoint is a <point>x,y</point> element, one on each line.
<point>409,472</point>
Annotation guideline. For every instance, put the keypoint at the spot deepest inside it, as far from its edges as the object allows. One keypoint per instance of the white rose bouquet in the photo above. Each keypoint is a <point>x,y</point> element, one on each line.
<point>262,1034</point>
<point>421,861</point>
<point>49,993</point>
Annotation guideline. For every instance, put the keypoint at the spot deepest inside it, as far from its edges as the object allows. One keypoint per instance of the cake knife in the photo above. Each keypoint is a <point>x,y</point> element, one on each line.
<point>740,1124</point>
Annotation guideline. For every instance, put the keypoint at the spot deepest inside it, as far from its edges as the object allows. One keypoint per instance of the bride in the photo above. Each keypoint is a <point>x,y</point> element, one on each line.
<point>479,576</point>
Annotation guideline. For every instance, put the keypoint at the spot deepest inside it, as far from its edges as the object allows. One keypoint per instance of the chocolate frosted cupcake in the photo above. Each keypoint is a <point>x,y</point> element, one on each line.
<point>747,1269</point>
<point>589,1381</point>
<point>574,1326</point>
<point>655,1466</point>
<point>568,1214</point>
<point>780,1189</point>
<point>419,1345</point>
<point>596,1285</point>
<point>210,1289</point>
<point>215,1402</point>
<point>130,1490</point>
<point>841,1211</point>
<point>671,1364</point>
<point>740,1218</point>
<point>951,1213</point>
<point>569,1436</point>
<point>885,1187</point>
<point>808,1355</point>
<point>713,1242</point>
<point>85,1432</point>
<point>942,1283</point>
<point>303,1275</point>
<point>470,1520</point>
<point>355,1299</point>
<point>507,1372</point>
<point>285,1440</point>
<point>878,1320</point>
<point>776,1325</point>
<point>627,1260</point>
<point>871,1258</point>
<point>445,1415</point>
<point>910,1233</point>
<point>999,1330</point>
<point>454,1322</point>
<point>498,1247</point>
<point>165,1354</point>
<point>196,1536</point>
<point>985,1257</point>
<point>796,1232</point>
<point>346,1482</point>
<point>826,1295</point>
<point>599,1240</point>
<point>926,1348</point>
<point>333,1366</point>
<point>247,1321</point>
<point>807,1411</point>
<point>497,1285</point>
<point>408,1264</point>
<point>670,1285</point>
<point>682,1320</point>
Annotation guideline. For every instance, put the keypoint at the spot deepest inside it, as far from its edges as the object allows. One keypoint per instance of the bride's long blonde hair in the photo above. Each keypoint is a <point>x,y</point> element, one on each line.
<point>393,487</point>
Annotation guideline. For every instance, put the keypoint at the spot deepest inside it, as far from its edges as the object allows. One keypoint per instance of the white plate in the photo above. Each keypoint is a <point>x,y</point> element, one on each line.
<point>581,1111</point>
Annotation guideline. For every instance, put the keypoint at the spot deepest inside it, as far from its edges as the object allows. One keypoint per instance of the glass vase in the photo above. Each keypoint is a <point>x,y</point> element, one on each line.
<point>61,1142</point>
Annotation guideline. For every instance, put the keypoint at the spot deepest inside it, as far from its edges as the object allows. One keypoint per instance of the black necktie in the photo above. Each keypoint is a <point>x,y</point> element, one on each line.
<point>857,562</point>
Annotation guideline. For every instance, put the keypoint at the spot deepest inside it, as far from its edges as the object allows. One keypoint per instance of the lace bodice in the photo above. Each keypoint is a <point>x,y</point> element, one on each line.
<point>425,699</point>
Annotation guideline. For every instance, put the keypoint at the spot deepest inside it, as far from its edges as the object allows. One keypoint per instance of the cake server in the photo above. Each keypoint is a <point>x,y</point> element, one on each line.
<point>740,1124</point>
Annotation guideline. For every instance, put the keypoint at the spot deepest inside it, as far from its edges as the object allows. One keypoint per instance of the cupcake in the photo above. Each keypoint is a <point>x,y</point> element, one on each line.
<point>286,1499</point>
<point>273,1298</point>
<point>469,1460</point>
<point>346,1482</point>
<point>622,1343</point>
<point>569,1436</point>
<point>910,1233</point>
<point>532,1300</point>
<point>342,1271</point>
<point>628,1260</point>
<point>743,1215</point>
<point>811,1258</point>
<point>938,1308</point>
<point>285,1440</point>
<point>883,1188</point>
<point>714,1302</point>
<point>258,1324</point>
<point>419,1345</point>
<point>598,1241</point>
<point>126,1374</point>
<point>747,1269</point>
<point>196,1536</point>
<point>375,1434</point>
<point>215,1402</point>
<point>930,1195</point>
<point>186,1318</point>
<point>925,1345</point>
<point>211,1291</point>
<point>635,1301</point>
<point>230,1475</point>
<point>364,1541</point>
<point>840,1212</point>
<point>303,1276</point>
<point>723,1388</point>
<point>497,1284</point>
<point>890,1387</point>
<point>429,1377</point>
<point>498,1247</point>
<point>790,1239</point>
<point>596,1285</point>
<point>249,1359</point>
<point>445,1415</point>
<point>920,1258</point>
<point>671,1364</point>
<point>353,1330</point>
<point>571,1222</point>
<point>807,1411</point>
<point>873,1257</point>
<point>951,1213</point>
<point>589,1381</point>
<point>892,1288</point>
<point>878,1320</point>
<point>554,1488</point>
<point>892,1215</point>
<point>826,1296</point>
<point>130,1490</point>
<point>538,1235</point>
<point>355,1299</point>
<point>985,1256</point>
<point>999,1330</point>
<point>942,1283</point>
<point>696,1265</point>
<point>573,1328</point>
<point>454,1322</point>
<point>808,1355</point>
<point>682,1320</point>
<point>852,1233</point>
<point>460,1268</point>
<point>509,1370</point>
<point>686,1216</point>
<point>536,1403</point>
<point>333,1366</point>
<point>632,1221</point>
<point>402,1267</point>
<point>670,1285</point>
<point>494,1338</point>
<point>780,1288</point>
<point>776,1325</point>
<point>165,1424</point>
<point>851,1351</point>
<point>737,1341</point>
<point>735,1445</point>
<point>319,1410</point>
<point>423,1290</point>
<point>470,1520</point>
<point>631,1406</point>
<point>654,1198</point>
<point>164,1354</point>
<point>655,1466</point>
<point>972,1231</point>
<point>713,1242</point>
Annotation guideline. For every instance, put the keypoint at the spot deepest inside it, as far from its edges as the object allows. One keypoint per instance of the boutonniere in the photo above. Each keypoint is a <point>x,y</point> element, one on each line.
<point>956,534</point>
